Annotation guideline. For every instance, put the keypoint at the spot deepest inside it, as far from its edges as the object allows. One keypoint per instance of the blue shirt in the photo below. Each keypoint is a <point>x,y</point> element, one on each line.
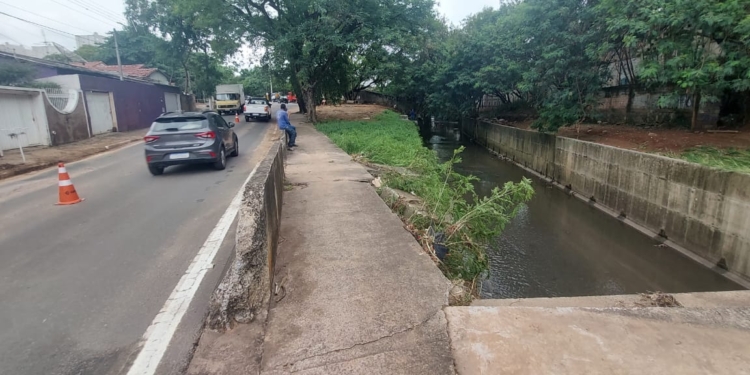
<point>282,117</point>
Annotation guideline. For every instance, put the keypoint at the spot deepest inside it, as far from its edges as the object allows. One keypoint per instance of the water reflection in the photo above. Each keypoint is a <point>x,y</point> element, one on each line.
<point>558,246</point>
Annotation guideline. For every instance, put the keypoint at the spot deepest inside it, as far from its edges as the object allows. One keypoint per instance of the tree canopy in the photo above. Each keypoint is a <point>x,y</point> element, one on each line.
<point>551,56</point>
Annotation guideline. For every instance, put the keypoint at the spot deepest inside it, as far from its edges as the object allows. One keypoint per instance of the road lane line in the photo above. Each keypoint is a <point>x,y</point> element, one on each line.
<point>159,334</point>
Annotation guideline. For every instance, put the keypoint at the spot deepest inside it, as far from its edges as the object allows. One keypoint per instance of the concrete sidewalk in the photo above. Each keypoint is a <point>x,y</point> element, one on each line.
<point>357,293</point>
<point>353,291</point>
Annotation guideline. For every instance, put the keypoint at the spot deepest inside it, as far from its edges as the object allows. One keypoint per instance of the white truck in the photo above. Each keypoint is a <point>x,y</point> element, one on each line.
<point>230,98</point>
<point>257,108</point>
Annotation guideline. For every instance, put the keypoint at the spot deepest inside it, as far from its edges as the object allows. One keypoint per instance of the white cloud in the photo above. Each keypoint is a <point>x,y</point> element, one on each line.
<point>457,10</point>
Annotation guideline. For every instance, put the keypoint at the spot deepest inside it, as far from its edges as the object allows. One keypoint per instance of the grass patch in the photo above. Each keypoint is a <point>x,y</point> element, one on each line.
<point>468,222</point>
<point>726,159</point>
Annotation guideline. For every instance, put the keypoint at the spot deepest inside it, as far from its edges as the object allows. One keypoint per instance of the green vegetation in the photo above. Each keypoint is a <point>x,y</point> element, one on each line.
<point>551,56</point>
<point>556,55</point>
<point>20,74</point>
<point>725,159</point>
<point>452,206</point>
<point>322,48</point>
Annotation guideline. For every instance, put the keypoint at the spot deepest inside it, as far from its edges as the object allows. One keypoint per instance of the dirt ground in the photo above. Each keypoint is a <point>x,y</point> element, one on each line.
<point>349,112</point>
<point>652,139</point>
<point>11,164</point>
<point>657,140</point>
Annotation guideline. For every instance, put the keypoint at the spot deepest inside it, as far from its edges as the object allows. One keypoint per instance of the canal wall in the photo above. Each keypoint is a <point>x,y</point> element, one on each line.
<point>692,207</point>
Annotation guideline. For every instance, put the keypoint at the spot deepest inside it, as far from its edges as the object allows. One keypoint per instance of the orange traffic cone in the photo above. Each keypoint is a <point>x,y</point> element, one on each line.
<point>68,194</point>
<point>236,118</point>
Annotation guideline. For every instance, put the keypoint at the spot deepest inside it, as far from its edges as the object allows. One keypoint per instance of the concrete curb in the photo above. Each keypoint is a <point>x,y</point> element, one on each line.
<point>120,144</point>
<point>245,292</point>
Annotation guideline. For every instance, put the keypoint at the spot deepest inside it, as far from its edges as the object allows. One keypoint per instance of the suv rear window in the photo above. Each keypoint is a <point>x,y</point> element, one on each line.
<point>179,124</point>
<point>257,101</point>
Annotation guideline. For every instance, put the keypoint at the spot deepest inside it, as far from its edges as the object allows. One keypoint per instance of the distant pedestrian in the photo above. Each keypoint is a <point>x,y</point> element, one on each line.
<point>282,117</point>
<point>412,114</point>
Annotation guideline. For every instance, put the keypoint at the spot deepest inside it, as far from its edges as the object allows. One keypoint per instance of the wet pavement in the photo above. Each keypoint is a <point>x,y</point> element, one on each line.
<point>559,246</point>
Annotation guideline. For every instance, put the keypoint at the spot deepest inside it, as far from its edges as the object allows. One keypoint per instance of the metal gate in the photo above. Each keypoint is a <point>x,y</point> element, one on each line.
<point>171,102</point>
<point>21,120</point>
<point>100,111</point>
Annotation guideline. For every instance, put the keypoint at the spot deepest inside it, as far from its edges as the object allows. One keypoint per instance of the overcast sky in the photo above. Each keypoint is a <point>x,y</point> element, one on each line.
<point>88,16</point>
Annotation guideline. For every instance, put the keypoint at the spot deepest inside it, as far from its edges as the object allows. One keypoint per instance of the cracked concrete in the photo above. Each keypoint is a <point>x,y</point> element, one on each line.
<point>361,296</point>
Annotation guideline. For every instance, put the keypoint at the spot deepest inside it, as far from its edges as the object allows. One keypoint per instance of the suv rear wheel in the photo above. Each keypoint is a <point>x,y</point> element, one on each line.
<point>221,163</point>
<point>155,170</point>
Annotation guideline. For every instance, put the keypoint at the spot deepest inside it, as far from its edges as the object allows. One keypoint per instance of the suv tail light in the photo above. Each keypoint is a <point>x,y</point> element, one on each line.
<point>266,109</point>
<point>244,108</point>
<point>206,135</point>
<point>150,138</point>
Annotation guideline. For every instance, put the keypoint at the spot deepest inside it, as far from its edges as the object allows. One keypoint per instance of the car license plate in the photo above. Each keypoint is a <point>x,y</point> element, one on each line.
<point>179,156</point>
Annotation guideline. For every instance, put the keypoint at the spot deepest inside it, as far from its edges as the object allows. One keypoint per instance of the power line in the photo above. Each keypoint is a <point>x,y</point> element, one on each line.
<point>101,9</point>
<point>109,23</point>
<point>40,25</point>
<point>39,15</point>
<point>92,11</point>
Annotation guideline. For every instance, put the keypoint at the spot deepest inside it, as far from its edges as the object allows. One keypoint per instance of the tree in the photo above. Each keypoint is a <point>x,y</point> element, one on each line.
<point>194,43</point>
<point>697,48</point>
<point>256,81</point>
<point>313,41</point>
<point>20,74</point>
<point>89,52</point>
<point>13,73</point>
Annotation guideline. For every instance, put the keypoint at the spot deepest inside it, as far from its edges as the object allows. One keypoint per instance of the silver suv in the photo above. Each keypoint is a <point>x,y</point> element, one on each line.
<point>180,138</point>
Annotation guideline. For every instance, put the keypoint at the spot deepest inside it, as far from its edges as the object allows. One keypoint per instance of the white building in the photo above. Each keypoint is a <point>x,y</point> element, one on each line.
<point>90,40</point>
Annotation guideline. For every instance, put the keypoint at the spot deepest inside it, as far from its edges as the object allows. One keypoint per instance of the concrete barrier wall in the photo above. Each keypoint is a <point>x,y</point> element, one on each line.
<point>533,150</point>
<point>244,293</point>
<point>703,210</point>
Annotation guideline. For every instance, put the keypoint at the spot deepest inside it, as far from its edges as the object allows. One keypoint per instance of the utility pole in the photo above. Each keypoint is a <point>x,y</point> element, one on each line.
<point>271,81</point>
<point>117,52</point>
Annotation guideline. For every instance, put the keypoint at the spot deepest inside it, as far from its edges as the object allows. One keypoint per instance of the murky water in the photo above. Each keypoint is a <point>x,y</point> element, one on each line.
<point>559,246</point>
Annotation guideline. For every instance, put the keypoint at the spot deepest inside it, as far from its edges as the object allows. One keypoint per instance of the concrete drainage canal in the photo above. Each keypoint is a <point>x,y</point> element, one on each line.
<point>558,246</point>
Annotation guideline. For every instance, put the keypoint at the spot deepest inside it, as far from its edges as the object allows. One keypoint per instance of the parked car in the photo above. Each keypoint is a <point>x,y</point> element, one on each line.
<point>285,99</point>
<point>189,138</point>
<point>257,108</point>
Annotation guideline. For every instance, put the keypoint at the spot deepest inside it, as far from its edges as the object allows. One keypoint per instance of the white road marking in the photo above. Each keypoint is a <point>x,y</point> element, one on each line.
<point>159,334</point>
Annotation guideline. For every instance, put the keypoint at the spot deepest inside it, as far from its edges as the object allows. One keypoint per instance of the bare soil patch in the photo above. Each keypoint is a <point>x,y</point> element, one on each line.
<point>651,139</point>
<point>349,112</point>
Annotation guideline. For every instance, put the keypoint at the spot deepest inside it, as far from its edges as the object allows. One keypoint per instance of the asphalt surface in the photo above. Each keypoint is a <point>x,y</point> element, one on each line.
<point>80,284</point>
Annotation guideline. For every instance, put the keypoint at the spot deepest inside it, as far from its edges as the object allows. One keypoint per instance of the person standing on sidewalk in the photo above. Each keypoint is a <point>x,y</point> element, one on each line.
<point>282,117</point>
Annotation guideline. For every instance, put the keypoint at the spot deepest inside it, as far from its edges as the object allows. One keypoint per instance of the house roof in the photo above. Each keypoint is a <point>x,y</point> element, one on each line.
<point>78,69</point>
<point>135,70</point>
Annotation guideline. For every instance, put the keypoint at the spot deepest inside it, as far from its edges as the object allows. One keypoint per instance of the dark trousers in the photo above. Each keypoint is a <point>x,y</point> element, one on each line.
<point>291,135</point>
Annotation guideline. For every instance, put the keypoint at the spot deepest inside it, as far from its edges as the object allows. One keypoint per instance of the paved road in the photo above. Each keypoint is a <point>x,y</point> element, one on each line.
<point>79,285</point>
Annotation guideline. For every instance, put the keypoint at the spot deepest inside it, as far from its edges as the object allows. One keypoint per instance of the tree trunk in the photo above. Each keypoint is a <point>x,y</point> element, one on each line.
<point>696,110</point>
<point>309,94</point>
<point>629,107</point>
<point>187,78</point>
<point>301,100</point>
